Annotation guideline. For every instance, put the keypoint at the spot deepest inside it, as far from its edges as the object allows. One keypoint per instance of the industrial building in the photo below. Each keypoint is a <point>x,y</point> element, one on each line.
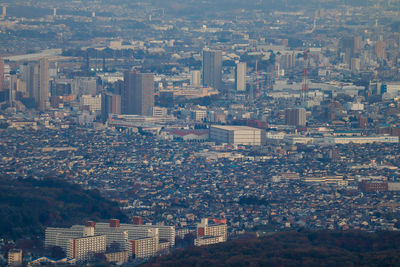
<point>238,135</point>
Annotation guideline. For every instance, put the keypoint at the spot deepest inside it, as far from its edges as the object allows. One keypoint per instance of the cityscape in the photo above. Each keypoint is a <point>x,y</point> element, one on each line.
<point>132,131</point>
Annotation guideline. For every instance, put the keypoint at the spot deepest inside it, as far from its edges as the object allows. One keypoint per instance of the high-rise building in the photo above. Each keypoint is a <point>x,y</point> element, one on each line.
<point>110,104</point>
<point>15,258</point>
<point>2,75</point>
<point>380,49</point>
<point>240,76</point>
<point>85,248</point>
<point>295,116</point>
<point>212,68</point>
<point>44,85</point>
<point>31,77</point>
<point>138,93</point>
<point>148,238</point>
<point>146,246</point>
<point>195,78</point>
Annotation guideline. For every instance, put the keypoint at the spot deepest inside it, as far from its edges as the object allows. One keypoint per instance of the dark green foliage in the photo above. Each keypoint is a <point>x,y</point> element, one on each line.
<point>27,206</point>
<point>322,248</point>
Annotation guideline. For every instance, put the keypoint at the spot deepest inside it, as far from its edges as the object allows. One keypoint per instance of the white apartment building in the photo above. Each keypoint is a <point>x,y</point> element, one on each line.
<point>83,249</point>
<point>208,234</point>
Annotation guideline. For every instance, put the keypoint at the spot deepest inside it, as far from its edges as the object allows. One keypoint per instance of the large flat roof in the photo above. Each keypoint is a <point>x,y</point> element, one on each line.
<point>235,127</point>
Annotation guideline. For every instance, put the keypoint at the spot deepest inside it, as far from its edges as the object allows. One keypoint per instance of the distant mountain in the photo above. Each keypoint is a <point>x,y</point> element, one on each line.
<point>322,248</point>
<point>27,206</point>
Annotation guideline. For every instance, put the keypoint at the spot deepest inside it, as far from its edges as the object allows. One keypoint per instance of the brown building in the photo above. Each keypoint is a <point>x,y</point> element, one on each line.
<point>138,93</point>
<point>380,49</point>
<point>137,220</point>
<point>295,116</point>
<point>373,186</point>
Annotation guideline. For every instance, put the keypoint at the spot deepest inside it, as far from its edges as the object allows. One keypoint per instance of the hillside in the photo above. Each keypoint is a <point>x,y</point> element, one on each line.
<point>323,248</point>
<point>27,206</point>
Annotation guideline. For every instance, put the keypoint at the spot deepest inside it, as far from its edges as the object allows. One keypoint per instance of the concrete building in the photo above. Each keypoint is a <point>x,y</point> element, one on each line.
<point>212,68</point>
<point>117,257</point>
<point>211,231</point>
<point>115,236</point>
<point>84,86</point>
<point>362,139</point>
<point>93,103</point>
<point>138,231</point>
<point>110,104</point>
<point>15,257</point>
<point>295,116</point>
<point>81,242</point>
<point>195,78</point>
<point>373,186</point>
<point>83,249</point>
<point>160,112</point>
<point>208,240</point>
<point>61,236</point>
<point>198,114</point>
<point>238,135</point>
<point>147,246</point>
<point>240,76</point>
<point>44,103</point>
<point>30,74</point>
<point>138,93</point>
<point>2,88</point>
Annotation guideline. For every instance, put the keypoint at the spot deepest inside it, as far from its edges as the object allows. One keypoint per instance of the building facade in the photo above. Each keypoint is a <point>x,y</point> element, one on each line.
<point>211,231</point>
<point>238,135</point>
<point>138,93</point>
<point>85,248</point>
<point>212,68</point>
<point>15,257</point>
<point>295,116</point>
<point>240,76</point>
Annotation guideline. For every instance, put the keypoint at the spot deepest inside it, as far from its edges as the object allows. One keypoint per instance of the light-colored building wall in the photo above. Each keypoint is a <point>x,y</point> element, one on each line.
<point>83,249</point>
<point>240,135</point>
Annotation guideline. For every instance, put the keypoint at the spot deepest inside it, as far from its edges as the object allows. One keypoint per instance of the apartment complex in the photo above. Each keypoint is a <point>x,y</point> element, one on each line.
<point>211,231</point>
<point>140,241</point>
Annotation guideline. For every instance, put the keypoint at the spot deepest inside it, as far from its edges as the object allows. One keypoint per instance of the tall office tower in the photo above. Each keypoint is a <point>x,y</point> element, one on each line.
<point>110,104</point>
<point>288,60</point>
<point>195,78</point>
<point>4,11</point>
<point>346,45</point>
<point>2,75</point>
<point>295,116</point>
<point>138,93</point>
<point>31,77</point>
<point>380,50</point>
<point>240,76</point>
<point>212,68</point>
<point>44,84</point>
